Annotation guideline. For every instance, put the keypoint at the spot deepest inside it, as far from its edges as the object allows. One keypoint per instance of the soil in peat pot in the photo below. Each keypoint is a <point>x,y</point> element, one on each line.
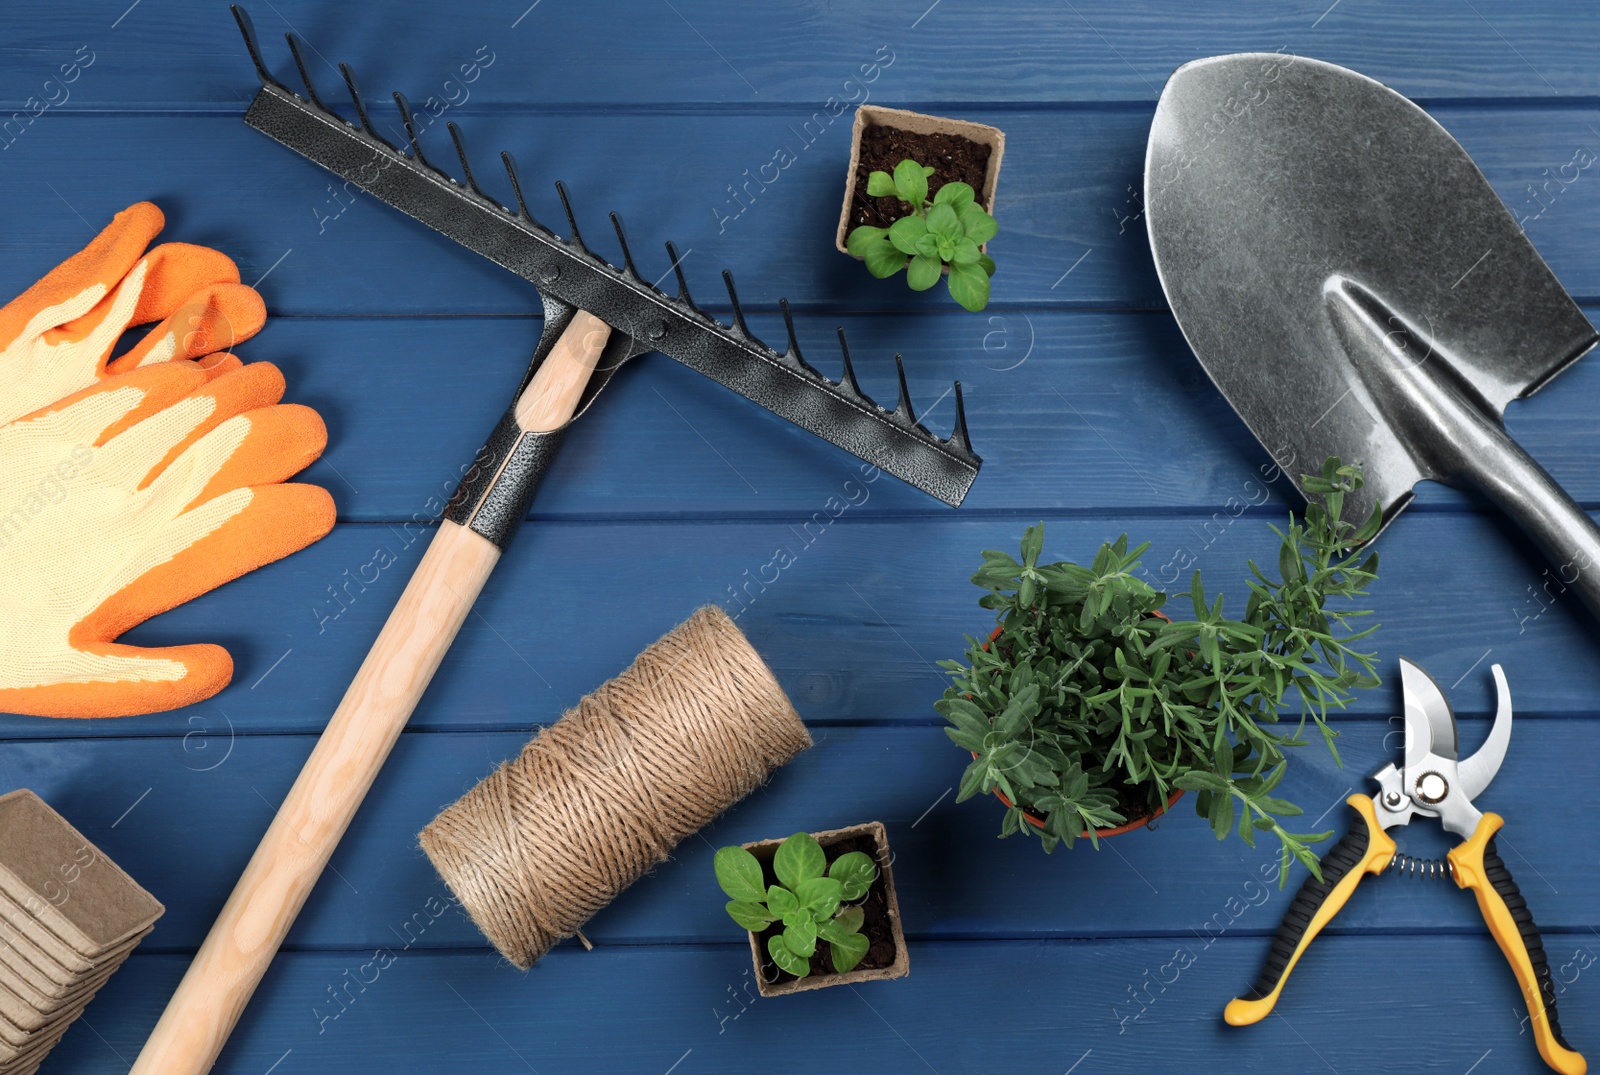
<point>952,158</point>
<point>875,923</point>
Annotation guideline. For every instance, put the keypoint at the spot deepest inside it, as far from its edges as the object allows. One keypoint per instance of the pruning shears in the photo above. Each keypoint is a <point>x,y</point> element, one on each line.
<point>1430,782</point>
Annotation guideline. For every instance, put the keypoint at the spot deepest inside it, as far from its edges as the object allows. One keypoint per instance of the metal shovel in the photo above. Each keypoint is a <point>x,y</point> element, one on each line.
<point>1354,287</point>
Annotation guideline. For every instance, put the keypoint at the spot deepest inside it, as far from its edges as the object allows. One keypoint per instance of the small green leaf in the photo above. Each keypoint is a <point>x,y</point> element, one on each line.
<point>924,272</point>
<point>974,781</point>
<point>979,226</point>
<point>880,185</point>
<point>928,245</point>
<point>855,872</point>
<point>883,260</point>
<point>752,916</point>
<point>781,902</point>
<point>801,937</point>
<point>927,171</point>
<point>911,182</point>
<point>847,952</point>
<point>986,263</point>
<point>905,232</point>
<point>843,924</point>
<point>820,896</point>
<point>787,959</point>
<point>942,221</point>
<point>969,286</point>
<point>872,245</point>
<point>739,874</point>
<point>862,237</point>
<point>966,252</point>
<point>955,195</point>
<point>1032,545</point>
<point>797,858</point>
<point>1200,780</point>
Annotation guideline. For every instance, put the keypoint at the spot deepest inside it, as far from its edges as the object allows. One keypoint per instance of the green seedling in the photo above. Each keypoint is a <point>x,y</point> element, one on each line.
<point>1089,689</point>
<point>944,231</point>
<point>814,901</point>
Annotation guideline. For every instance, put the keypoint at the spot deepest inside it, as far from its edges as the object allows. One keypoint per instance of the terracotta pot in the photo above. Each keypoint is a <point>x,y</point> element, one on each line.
<point>919,123</point>
<point>764,850</point>
<point>1126,826</point>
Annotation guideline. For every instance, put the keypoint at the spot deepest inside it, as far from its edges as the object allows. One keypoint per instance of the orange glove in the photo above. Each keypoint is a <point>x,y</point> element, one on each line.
<point>56,337</point>
<point>129,487</point>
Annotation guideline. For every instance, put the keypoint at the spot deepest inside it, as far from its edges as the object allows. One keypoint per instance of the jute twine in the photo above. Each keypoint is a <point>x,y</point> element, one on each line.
<point>606,792</point>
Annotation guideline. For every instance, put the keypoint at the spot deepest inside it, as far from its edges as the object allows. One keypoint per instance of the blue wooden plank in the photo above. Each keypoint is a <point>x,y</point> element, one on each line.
<point>852,626</point>
<point>1069,235</point>
<point>1039,387</point>
<point>183,814</point>
<point>1035,1008</point>
<point>702,52</point>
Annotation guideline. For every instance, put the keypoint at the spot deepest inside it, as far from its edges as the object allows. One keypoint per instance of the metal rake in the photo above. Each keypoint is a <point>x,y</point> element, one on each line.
<point>571,276</point>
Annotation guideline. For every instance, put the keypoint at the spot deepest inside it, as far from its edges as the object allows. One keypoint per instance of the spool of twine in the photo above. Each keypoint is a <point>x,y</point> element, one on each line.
<point>605,793</point>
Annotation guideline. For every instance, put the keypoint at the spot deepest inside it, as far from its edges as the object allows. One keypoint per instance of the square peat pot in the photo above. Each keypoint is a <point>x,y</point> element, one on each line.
<point>915,128</point>
<point>880,905</point>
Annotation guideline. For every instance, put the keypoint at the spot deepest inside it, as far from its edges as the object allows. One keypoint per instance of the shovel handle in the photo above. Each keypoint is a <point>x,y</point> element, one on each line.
<point>348,755</point>
<point>1497,467</point>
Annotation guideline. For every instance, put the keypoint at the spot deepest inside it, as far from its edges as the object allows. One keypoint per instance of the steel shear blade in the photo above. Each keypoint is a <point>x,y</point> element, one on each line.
<point>1429,782</point>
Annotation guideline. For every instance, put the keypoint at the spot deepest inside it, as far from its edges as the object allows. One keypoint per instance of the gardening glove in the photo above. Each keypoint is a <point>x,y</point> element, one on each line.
<point>56,338</point>
<point>128,498</point>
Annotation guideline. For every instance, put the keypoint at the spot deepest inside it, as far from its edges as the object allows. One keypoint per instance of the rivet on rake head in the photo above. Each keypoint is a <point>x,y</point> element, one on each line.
<point>549,274</point>
<point>659,332</point>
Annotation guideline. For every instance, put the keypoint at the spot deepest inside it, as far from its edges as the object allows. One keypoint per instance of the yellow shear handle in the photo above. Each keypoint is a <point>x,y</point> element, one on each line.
<point>1477,866</point>
<point>1365,849</point>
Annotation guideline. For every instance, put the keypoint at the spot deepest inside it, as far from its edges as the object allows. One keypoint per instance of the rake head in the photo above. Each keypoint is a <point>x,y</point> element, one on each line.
<point>570,276</point>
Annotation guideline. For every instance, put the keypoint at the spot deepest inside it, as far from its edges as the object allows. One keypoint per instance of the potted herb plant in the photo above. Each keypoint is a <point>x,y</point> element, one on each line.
<point>1089,708</point>
<point>905,166</point>
<point>820,908</point>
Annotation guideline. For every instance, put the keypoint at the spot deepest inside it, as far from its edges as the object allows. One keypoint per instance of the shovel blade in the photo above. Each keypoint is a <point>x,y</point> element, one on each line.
<point>1288,200</point>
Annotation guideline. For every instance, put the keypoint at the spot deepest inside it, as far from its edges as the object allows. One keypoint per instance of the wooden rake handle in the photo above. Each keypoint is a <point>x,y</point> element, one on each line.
<point>326,795</point>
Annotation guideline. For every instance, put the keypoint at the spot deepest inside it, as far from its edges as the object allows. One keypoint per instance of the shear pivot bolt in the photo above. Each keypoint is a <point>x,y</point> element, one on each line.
<point>1393,800</point>
<point>1432,788</point>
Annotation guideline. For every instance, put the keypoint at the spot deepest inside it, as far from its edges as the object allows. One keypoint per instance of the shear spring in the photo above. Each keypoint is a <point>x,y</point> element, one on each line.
<point>1429,869</point>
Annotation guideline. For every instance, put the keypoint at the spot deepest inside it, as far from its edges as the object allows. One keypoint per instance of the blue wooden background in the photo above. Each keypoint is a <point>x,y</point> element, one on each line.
<point>1090,412</point>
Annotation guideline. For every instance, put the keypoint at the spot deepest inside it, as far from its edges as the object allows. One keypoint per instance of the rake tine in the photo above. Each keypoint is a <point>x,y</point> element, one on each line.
<point>355,95</point>
<point>794,341</point>
<point>516,186</point>
<point>627,255</point>
<point>958,436</point>
<point>305,74</point>
<point>461,151</point>
<point>248,29</point>
<point>683,281</point>
<point>572,221</point>
<point>902,407</point>
<point>738,314</point>
<point>847,379</point>
<point>410,122</point>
